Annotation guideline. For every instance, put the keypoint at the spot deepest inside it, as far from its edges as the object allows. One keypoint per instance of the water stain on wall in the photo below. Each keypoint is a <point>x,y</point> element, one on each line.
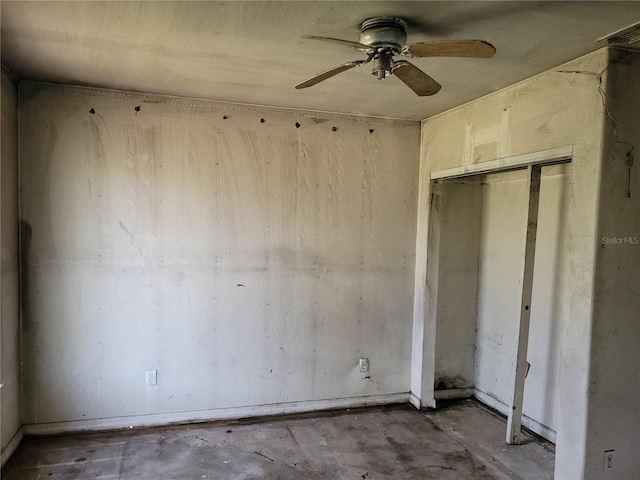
<point>26,233</point>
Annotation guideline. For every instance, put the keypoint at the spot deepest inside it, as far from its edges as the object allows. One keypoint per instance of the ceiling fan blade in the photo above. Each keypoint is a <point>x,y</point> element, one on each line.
<point>346,43</point>
<point>459,48</point>
<point>329,73</point>
<point>414,78</point>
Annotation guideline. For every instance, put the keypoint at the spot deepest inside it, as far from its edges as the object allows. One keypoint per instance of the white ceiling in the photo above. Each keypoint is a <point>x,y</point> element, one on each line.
<point>252,51</point>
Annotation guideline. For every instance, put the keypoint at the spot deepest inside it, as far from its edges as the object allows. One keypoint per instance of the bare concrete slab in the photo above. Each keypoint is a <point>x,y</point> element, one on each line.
<point>461,441</point>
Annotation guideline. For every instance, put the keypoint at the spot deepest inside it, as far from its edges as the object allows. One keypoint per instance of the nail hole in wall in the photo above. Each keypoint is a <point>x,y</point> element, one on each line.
<point>92,111</point>
<point>334,129</point>
<point>297,125</point>
<point>262,120</point>
<point>137,109</point>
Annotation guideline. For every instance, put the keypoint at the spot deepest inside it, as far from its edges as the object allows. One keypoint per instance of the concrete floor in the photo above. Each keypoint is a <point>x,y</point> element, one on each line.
<point>463,440</point>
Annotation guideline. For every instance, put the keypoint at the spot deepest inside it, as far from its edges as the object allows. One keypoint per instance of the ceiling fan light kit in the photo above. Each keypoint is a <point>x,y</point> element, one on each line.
<point>381,38</point>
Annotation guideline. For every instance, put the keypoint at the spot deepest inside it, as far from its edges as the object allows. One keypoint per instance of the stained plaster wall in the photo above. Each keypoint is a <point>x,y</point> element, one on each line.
<point>250,255</point>
<point>459,250</point>
<point>9,319</point>
<point>614,387</point>
<point>547,111</point>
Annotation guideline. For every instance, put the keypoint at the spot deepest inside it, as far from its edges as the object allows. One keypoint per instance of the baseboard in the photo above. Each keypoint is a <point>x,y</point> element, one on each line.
<point>11,446</point>
<point>454,393</point>
<point>163,419</point>
<point>414,400</point>
<point>528,422</point>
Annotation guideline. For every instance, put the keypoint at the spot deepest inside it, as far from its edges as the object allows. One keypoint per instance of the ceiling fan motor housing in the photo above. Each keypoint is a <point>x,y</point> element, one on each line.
<point>384,32</point>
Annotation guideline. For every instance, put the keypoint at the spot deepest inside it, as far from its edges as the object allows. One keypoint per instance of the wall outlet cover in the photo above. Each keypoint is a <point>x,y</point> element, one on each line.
<point>364,364</point>
<point>609,460</point>
<point>151,378</point>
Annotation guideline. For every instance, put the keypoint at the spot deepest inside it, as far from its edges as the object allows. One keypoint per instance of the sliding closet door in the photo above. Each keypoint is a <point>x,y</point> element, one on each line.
<point>504,213</point>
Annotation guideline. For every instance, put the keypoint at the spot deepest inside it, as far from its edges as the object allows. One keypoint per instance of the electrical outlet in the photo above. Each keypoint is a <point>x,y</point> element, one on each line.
<point>364,364</point>
<point>608,460</point>
<point>151,378</point>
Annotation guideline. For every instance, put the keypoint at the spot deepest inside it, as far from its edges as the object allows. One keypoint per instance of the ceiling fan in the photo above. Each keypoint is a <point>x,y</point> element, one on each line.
<point>383,37</point>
